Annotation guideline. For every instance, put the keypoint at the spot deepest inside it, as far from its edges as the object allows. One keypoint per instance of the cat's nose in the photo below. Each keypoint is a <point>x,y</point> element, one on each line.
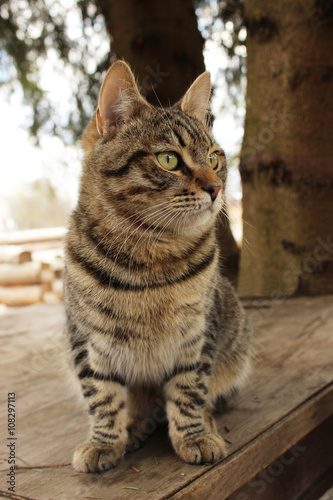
<point>212,190</point>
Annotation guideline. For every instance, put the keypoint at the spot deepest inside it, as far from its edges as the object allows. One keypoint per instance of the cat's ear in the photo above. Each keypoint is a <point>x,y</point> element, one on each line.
<point>119,97</point>
<point>196,100</point>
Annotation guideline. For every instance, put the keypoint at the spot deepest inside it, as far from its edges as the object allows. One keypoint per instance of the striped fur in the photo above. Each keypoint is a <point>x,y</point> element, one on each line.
<point>153,326</point>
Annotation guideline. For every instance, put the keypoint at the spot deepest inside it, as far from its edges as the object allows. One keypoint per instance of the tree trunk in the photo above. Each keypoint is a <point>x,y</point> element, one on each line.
<point>162,44</point>
<point>286,160</point>
<point>160,41</point>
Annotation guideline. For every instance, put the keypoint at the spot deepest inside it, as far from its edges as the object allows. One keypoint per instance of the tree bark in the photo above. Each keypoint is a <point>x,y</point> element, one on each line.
<point>160,41</point>
<point>162,44</point>
<point>286,160</point>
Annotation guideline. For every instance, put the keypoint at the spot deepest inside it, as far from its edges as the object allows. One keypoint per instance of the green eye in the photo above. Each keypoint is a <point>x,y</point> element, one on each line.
<point>213,161</point>
<point>169,161</point>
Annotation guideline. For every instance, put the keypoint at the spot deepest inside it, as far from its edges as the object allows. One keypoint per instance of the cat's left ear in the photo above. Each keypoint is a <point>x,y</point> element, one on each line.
<point>196,100</point>
<point>119,98</point>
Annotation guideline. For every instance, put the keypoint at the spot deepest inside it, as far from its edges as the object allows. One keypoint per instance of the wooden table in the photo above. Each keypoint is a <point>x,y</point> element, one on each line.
<point>279,430</point>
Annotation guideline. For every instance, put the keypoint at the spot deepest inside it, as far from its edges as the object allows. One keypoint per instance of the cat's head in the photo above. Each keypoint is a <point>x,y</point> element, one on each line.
<point>156,166</point>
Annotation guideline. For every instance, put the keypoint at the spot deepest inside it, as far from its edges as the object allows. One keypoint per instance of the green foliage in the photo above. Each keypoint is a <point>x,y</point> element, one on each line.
<point>223,22</point>
<point>71,37</point>
<point>36,31</point>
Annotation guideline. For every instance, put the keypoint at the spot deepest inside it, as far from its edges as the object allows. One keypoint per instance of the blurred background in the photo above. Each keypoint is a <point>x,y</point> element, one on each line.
<point>53,56</point>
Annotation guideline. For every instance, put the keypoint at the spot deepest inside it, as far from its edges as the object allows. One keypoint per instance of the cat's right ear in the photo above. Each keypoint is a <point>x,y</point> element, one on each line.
<point>119,97</point>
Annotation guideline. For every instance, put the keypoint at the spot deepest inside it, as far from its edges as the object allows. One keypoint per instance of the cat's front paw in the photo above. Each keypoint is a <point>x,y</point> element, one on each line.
<point>92,457</point>
<point>208,448</point>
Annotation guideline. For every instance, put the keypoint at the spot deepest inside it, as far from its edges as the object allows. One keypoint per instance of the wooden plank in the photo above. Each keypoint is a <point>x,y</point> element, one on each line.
<point>14,254</point>
<point>297,473</point>
<point>290,392</point>
<point>13,496</point>
<point>242,466</point>
<point>320,491</point>
<point>28,273</point>
<point>32,236</point>
<point>14,296</point>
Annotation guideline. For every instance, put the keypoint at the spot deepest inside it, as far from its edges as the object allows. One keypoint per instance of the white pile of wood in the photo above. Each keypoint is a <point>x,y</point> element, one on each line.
<point>31,266</point>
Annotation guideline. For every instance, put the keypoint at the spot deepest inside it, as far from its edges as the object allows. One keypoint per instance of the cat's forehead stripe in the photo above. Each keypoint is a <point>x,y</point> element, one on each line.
<point>179,138</point>
<point>177,118</point>
<point>200,135</point>
<point>187,123</point>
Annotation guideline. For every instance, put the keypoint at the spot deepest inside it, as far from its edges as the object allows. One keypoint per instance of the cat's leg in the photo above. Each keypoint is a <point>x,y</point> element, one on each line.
<point>106,397</point>
<point>108,436</point>
<point>192,430</point>
<point>235,347</point>
<point>226,381</point>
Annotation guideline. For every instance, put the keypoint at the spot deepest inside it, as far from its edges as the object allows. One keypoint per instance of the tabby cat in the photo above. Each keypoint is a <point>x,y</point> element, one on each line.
<point>150,320</point>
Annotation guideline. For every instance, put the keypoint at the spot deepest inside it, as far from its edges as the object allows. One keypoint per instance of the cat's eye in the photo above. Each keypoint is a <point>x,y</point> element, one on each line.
<point>168,160</point>
<point>213,161</point>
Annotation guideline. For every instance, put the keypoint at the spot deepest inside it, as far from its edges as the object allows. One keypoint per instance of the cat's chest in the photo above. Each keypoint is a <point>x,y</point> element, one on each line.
<point>149,360</point>
<point>158,334</point>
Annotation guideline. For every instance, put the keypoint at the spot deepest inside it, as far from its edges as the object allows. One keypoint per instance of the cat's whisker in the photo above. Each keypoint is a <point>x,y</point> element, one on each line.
<point>146,231</point>
<point>183,220</point>
<point>245,241</point>
<point>159,235</point>
<point>221,219</point>
<point>141,212</point>
<point>131,235</point>
<point>248,224</point>
<point>176,228</point>
<point>225,213</point>
<point>248,245</point>
<point>165,214</point>
<point>179,222</point>
<point>146,219</point>
<point>231,202</point>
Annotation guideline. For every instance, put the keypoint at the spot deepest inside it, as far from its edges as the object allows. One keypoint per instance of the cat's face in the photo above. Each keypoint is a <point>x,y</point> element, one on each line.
<point>157,167</point>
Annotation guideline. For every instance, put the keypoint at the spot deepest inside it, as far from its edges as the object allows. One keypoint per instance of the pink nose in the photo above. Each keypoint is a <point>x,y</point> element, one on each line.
<point>212,190</point>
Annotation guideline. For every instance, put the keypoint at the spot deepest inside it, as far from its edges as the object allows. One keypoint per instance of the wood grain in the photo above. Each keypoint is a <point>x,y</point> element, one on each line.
<point>32,236</point>
<point>288,395</point>
<point>295,471</point>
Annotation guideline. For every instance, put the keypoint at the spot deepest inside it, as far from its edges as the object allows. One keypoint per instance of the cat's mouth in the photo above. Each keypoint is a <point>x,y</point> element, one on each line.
<point>199,205</point>
<point>196,218</point>
<point>212,207</point>
<point>200,209</point>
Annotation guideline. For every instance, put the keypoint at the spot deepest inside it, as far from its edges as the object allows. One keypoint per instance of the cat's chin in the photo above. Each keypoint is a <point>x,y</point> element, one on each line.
<point>198,223</point>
